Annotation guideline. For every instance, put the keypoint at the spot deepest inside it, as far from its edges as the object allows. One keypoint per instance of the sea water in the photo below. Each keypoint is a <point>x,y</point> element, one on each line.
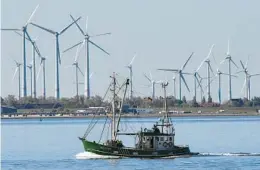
<point>223,143</point>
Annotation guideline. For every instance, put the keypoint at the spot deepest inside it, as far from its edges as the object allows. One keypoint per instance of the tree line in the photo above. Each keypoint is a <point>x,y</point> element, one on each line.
<point>97,101</point>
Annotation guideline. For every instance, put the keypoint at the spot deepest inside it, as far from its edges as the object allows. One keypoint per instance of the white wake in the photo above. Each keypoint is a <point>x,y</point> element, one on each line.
<point>89,155</point>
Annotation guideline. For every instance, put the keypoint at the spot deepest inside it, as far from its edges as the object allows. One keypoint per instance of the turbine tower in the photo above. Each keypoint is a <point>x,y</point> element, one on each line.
<point>31,78</point>
<point>19,77</point>
<point>35,50</point>
<point>153,82</point>
<point>25,33</point>
<point>209,69</point>
<point>196,74</point>
<point>58,60</point>
<point>86,40</point>
<point>181,77</point>
<point>230,60</point>
<point>248,76</point>
<point>174,86</point>
<point>42,67</point>
<point>131,75</point>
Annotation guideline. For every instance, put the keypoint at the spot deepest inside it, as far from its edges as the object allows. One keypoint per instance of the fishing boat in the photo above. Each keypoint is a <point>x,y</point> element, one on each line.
<point>157,142</point>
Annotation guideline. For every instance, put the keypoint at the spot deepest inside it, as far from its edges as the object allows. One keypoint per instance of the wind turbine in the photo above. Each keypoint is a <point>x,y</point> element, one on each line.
<point>19,77</point>
<point>153,82</point>
<point>219,73</point>
<point>130,67</point>
<point>247,80</point>
<point>34,49</point>
<point>86,40</point>
<point>42,67</point>
<point>25,33</point>
<point>181,77</point>
<point>196,74</point>
<point>230,60</point>
<point>58,60</point>
<point>174,86</point>
<point>75,63</point>
<point>31,77</point>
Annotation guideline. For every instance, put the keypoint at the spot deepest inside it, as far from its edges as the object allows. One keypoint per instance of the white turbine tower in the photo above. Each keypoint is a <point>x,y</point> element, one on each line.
<point>19,77</point>
<point>246,84</point>
<point>31,78</point>
<point>230,60</point>
<point>86,40</point>
<point>58,60</point>
<point>130,67</point>
<point>181,73</point>
<point>42,67</point>
<point>25,33</point>
<point>153,82</point>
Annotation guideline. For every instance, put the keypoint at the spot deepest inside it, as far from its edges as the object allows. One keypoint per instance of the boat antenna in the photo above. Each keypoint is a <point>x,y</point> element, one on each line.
<point>121,108</point>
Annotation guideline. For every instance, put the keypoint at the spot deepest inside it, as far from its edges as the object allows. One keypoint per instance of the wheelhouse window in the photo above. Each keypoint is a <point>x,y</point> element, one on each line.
<point>161,138</point>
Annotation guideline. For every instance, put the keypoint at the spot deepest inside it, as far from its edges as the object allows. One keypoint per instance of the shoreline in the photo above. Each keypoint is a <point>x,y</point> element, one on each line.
<point>134,116</point>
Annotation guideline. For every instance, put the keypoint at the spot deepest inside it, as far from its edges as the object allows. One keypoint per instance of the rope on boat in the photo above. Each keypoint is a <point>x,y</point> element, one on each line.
<point>103,130</point>
<point>90,126</point>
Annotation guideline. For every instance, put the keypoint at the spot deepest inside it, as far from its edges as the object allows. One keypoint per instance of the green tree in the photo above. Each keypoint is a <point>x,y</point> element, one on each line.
<point>11,100</point>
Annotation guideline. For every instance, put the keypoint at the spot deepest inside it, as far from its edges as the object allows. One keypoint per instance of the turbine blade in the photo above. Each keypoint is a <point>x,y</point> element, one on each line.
<point>132,60</point>
<point>99,47</point>
<point>72,46</point>
<point>222,61</point>
<point>211,48</point>
<point>254,75</point>
<point>78,51</point>
<point>244,84</point>
<point>45,29</point>
<point>175,70</point>
<point>199,83</point>
<point>183,79</point>
<point>34,44</point>
<point>187,61</point>
<point>87,26</point>
<point>147,77</point>
<point>211,68</point>
<point>247,61</point>
<point>15,73</point>
<point>78,25</point>
<point>64,29</point>
<point>242,65</point>
<point>234,63</point>
<point>30,18</point>
<point>91,75</point>
<point>21,35</point>
<point>151,76</point>
<point>10,29</point>
<point>80,71</point>
<point>38,73</point>
<point>228,47</point>
<point>97,35</point>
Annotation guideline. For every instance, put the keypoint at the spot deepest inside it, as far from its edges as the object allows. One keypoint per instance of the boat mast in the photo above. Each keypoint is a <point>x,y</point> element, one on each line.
<point>165,99</point>
<point>113,134</point>
<point>121,108</point>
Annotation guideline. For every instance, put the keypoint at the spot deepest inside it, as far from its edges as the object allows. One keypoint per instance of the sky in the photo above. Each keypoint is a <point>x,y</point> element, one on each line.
<point>162,33</point>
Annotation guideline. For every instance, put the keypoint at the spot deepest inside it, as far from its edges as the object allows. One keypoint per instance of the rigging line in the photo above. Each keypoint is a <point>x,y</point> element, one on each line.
<point>92,126</point>
<point>103,130</point>
<point>89,126</point>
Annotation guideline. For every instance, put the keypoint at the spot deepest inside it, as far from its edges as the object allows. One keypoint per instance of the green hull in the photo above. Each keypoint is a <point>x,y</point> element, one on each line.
<point>133,152</point>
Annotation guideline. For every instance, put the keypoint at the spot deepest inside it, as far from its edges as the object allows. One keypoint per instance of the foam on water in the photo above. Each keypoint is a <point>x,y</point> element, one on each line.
<point>229,154</point>
<point>89,155</point>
